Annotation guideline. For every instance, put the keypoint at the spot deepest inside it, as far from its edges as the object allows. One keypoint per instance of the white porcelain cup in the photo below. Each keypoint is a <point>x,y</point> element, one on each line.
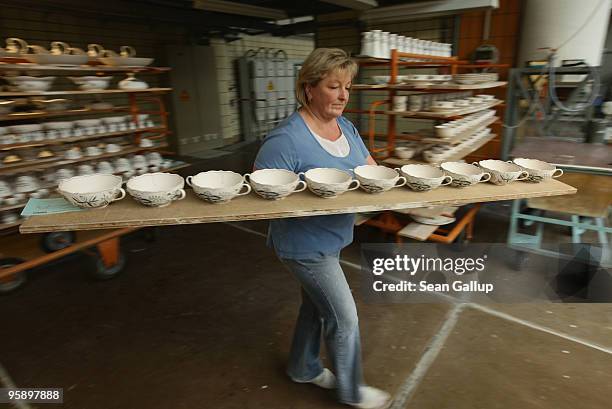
<point>399,102</point>
<point>112,148</point>
<point>26,183</point>
<point>11,200</point>
<point>377,179</point>
<point>146,143</point>
<point>424,177</point>
<point>122,164</point>
<point>92,191</point>
<point>464,174</point>
<point>105,167</point>
<point>139,161</point>
<point>85,170</point>
<point>502,172</point>
<point>156,189</point>
<point>275,184</point>
<point>93,151</point>
<point>329,182</point>
<point>64,173</point>
<point>5,189</point>
<point>9,218</point>
<point>154,158</point>
<point>218,186</point>
<point>538,169</point>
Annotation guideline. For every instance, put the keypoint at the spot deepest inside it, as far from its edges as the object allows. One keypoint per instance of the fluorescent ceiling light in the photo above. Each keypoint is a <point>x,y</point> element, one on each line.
<point>230,7</point>
<point>417,10</point>
<point>354,4</point>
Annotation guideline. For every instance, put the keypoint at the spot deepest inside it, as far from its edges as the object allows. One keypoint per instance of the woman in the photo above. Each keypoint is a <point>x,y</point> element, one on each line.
<point>318,136</point>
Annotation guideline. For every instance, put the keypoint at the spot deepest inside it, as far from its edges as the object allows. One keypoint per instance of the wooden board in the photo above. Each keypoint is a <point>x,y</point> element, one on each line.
<point>79,92</point>
<point>432,211</point>
<point>450,86</point>
<point>191,210</point>
<point>451,113</point>
<point>592,200</point>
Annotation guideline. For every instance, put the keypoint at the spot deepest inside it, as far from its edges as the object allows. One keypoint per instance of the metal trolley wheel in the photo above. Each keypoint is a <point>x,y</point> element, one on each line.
<point>10,284</point>
<point>100,271</point>
<point>58,240</point>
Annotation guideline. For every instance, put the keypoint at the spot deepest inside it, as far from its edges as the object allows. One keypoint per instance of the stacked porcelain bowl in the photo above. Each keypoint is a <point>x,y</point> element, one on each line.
<point>459,126</point>
<point>441,153</point>
<point>475,78</point>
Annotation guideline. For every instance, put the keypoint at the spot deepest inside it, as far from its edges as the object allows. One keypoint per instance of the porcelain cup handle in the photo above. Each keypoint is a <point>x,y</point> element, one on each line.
<point>127,51</point>
<point>247,177</point>
<point>246,192</point>
<point>449,180</point>
<point>16,45</point>
<point>523,175</point>
<point>297,189</point>
<point>475,163</point>
<point>357,184</point>
<point>301,174</point>
<point>37,49</point>
<point>559,174</point>
<point>487,177</point>
<point>60,46</point>
<point>188,180</point>
<point>94,50</point>
<point>181,194</point>
<point>401,181</point>
<point>121,192</point>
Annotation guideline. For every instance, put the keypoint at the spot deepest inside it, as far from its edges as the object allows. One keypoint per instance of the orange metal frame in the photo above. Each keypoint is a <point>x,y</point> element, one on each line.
<point>388,220</point>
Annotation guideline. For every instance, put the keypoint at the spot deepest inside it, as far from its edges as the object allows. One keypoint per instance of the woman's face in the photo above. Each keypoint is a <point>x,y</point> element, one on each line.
<point>330,96</point>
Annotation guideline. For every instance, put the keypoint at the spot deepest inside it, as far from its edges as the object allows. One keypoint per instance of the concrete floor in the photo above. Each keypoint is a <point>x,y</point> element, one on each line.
<point>203,317</point>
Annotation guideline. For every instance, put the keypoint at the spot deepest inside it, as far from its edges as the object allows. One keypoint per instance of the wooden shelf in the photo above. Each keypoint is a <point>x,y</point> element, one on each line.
<point>12,207</point>
<point>9,65</point>
<point>11,226</point>
<point>79,92</point>
<point>61,141</point>
<point>191,210</point>
<point>430,60</point>
<point>448,87</point>
<point>55,162</point>
<point>50,114</point>
<point>432,87</point>
<point>451,114</point>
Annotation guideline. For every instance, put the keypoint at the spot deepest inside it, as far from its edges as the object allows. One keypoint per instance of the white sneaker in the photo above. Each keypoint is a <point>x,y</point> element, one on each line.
<point>326,380</point>
<point>372,398</point>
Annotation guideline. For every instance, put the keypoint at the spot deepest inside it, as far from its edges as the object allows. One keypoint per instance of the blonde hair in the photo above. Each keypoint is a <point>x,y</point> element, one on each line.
<point>321,62</point>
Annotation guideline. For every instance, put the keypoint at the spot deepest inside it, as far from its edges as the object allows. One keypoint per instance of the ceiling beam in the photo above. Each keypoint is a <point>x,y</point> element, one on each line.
<point>354,4</point>
<point>230,7</point>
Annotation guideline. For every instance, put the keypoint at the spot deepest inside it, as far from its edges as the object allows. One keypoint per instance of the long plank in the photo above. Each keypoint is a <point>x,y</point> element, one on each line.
<point>191,210</point>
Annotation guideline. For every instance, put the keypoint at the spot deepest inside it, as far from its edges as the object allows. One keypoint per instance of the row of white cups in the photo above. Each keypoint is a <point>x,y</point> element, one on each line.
<point>378,44</point>
<point>32,185</point>
<point>67,129</point>
<point>219,186</point>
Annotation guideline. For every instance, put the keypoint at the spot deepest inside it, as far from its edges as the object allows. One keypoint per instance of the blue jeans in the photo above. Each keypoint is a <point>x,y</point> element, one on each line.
<point>327,307</point>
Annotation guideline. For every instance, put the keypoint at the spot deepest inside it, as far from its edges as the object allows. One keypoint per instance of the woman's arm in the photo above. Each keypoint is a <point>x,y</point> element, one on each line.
<point>371,160</point>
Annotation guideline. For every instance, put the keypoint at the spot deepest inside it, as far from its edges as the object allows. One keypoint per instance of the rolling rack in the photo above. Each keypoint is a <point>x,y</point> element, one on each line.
<point>391,221</point>
<point>18,255</point>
